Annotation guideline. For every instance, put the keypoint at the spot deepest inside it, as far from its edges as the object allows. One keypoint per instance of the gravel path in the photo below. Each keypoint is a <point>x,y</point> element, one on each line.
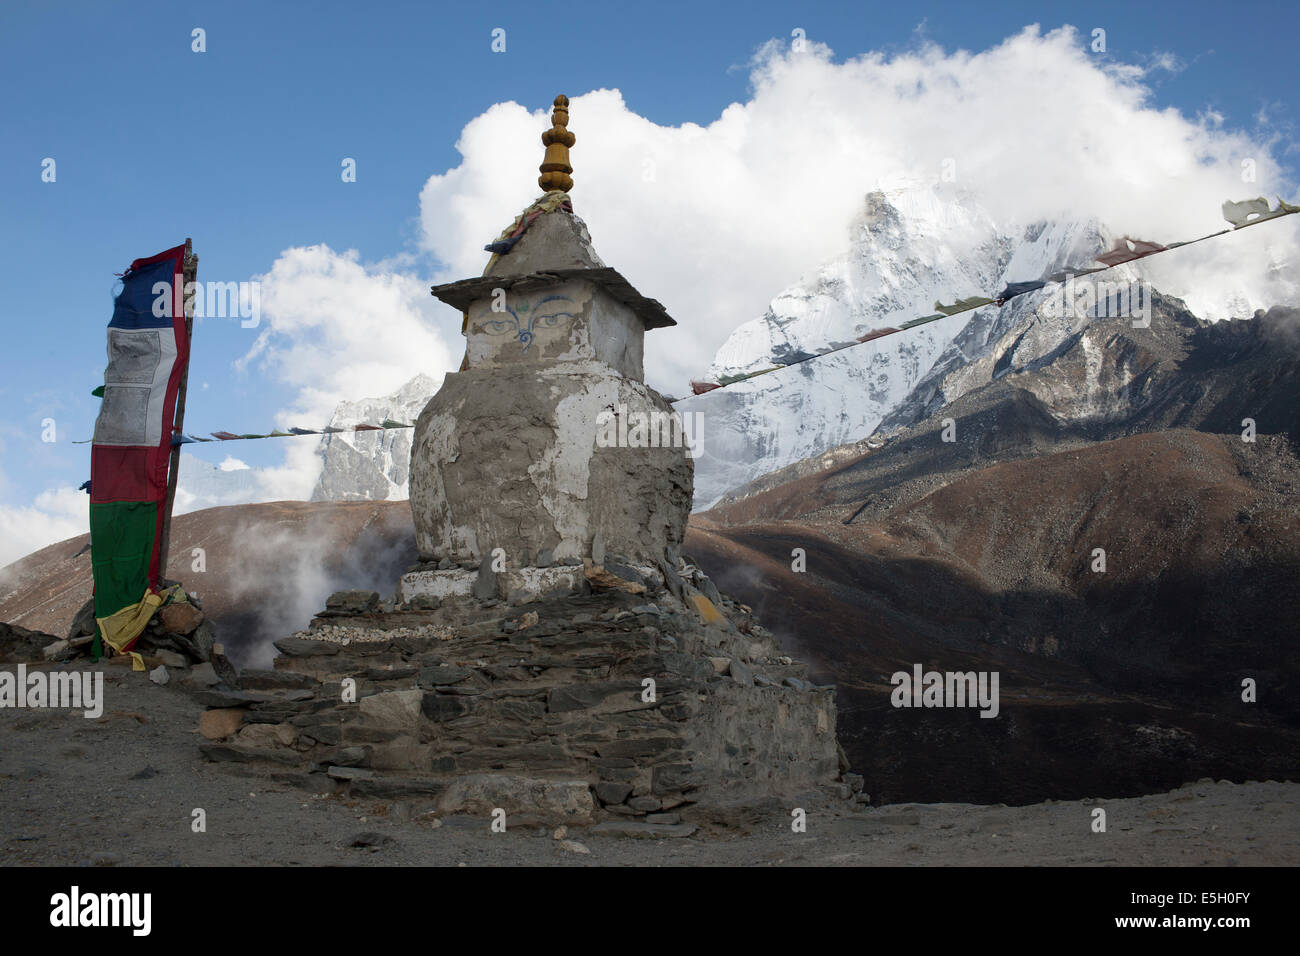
<point>121,789</point>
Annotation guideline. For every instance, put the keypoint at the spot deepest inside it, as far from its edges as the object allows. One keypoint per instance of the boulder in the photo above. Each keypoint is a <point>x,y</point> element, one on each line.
<point>441,675</point>
<point>396,708</point>
<point>612,793</point>
<point>171,659</point>
<point>204,639</point>
<point>201,675</point>
<point>305,647</point>
<point>19,644</point>
<point>553,800</point>
<point>605,578</point>
<point>709,614</point>
<point>268,735</point>
<point>224,668</point>
<point>672,580</point>
<point>256,679</point>
<point>84,621</point>
<point>352,602</point>
<point>350,773</point>
<point>57,651</point>
<point>180,618</point>
<point>220,723</point>
<point>709,590</point>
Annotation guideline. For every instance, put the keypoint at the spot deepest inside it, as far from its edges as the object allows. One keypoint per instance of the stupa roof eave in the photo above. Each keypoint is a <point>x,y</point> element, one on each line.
<point>462,293</point>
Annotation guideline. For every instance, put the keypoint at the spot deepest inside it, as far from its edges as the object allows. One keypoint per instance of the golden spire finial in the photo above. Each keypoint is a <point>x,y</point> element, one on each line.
<point>555,166</point>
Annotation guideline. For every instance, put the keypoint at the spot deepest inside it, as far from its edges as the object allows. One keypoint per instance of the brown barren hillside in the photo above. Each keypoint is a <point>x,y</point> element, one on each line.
<point>267,567</point>
<point>1131,676</point>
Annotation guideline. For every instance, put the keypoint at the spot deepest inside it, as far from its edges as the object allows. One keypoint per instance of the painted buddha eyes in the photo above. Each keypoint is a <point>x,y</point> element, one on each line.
<point>551,319</point>
<point>523,318</point>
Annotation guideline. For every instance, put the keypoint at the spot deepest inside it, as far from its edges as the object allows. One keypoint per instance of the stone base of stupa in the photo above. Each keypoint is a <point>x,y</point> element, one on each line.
<point>428,588</point>
<point>637,703</point>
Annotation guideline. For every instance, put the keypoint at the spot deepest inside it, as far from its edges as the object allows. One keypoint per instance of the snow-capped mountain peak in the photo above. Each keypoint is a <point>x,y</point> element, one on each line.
<point>372,465</point>
<point>912,245</point>
<point>909,247</point>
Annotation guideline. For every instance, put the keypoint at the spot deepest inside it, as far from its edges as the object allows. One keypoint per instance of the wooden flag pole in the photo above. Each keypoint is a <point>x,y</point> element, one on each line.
<point>190,275</point>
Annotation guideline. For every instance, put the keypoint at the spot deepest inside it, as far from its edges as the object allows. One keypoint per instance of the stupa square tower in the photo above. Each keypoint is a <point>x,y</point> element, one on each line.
<point>508,454</point>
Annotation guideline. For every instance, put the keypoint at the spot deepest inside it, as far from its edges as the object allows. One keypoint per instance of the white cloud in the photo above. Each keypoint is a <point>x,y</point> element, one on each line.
<point>55,515</point>
<point>714,220</point>
<point>337,329</point>
<point>231,463</point>
<point>294,478</point>
<point>1164,60</point>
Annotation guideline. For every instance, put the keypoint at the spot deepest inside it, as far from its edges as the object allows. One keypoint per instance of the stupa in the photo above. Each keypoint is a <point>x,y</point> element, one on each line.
<point>524,459</point>
<point>553,656</point>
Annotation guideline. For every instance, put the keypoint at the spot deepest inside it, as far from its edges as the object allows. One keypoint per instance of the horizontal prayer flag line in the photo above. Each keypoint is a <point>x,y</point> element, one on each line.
<point>179,439</point>
<point>1248,212</point>
<point>295,432</point>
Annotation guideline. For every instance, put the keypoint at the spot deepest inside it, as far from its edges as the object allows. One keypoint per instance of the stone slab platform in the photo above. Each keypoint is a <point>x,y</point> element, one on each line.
<point>587,708</point>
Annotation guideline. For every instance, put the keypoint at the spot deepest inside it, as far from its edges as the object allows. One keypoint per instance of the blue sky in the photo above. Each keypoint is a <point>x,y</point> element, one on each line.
<point>240,146</point>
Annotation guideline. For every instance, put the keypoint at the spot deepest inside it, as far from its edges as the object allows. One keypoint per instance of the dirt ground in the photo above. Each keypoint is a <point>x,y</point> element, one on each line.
<point>121,790</point>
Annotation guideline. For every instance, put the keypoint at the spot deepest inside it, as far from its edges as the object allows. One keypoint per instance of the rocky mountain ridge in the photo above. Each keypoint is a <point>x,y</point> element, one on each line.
<point>371,465</point>
<point>1102,528</point>
<point>911,248</point>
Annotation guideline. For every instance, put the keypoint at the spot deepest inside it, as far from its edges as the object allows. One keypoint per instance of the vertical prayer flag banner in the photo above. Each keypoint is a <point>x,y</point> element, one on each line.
<point>148,350</point>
